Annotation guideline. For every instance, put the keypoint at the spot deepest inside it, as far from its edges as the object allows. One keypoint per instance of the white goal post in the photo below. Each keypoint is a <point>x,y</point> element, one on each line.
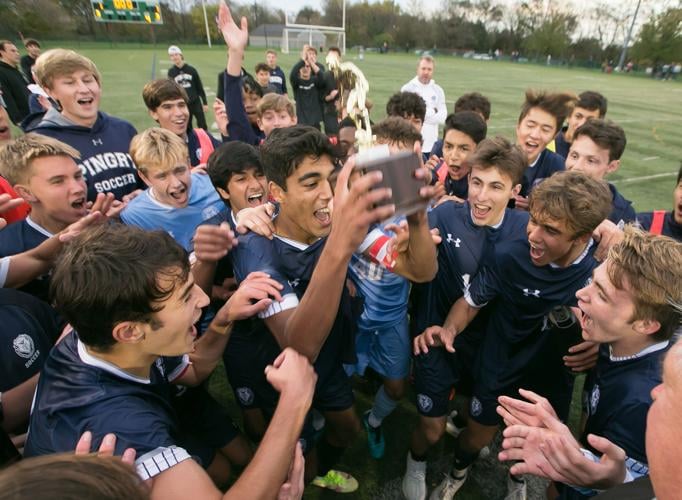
<point>295,36</point>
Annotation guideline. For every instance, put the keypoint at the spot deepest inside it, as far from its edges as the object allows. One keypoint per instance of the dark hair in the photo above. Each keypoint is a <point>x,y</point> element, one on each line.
<point>396,130</point>
<point>605,134</point>
<point>71,477</point>
<point>473,101</point>
<point>679,174</point>
<point>28,42</point>
<point>231,158</point>
<point>4,44</point>
<point>593,100</point>
<point>347,122</point>
<point>110,274</point>
<point>286,148</point>
<point>578,200</point>
<point>498,152</point>
<point>406,104</point>
<point>334,49</point>
<point>261,66</point>
<point>159,91</point>
<point>250,85</point>
<point>557,104</point>
<point>467,122</point>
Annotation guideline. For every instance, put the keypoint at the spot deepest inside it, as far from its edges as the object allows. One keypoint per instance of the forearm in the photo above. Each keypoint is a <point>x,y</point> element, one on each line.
<point>310,323</point>
<point>16,404</point>
<point>418,263</point>
<point>268,469</point>
<point>209,349</point>
<point>234,61</point>
<point>203,273</point>
<point>460,315</point>
<point>27,266</point>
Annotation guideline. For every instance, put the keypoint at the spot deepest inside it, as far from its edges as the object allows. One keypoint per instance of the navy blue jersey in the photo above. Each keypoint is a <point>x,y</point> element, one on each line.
<point>459,257</point>
<point>526,292</point>
<point>78,392</point>
<point>19,237</point>
<point>292,264</point>
<point>104,158</point>
<point>618,394</point>
<point>29,329</point>
<point>458,188</point>
<point>669,227</point>
<point>545,165</point>
<point>561,145</point>
<point>278,80</point>
<point>622,212</point>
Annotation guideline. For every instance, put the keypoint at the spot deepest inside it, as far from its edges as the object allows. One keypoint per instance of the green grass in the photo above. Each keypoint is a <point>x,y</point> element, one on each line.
<point>649,111</point>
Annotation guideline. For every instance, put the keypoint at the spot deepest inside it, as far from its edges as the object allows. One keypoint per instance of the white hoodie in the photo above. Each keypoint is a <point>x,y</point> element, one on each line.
<point>436,110</point>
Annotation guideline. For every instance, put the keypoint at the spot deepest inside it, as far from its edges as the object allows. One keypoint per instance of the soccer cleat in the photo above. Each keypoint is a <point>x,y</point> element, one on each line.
<point>517,489</point>
<point>414,480</point>
<point>448,487</point>
<point>450,425</point>
<point>337,481</point>
<point>375,438</point>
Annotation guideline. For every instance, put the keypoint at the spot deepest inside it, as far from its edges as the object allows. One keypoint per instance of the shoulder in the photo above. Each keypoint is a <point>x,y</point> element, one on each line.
<point>553,161</point>
<point>117,123</point>
<point>136,207</point>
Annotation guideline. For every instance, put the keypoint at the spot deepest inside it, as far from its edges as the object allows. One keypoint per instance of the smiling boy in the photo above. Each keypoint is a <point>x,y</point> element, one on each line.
<point>176,199</point>
<point>542,113</point>
<point>527,278</point>
<point>73,81</point>
<point>168,105</point>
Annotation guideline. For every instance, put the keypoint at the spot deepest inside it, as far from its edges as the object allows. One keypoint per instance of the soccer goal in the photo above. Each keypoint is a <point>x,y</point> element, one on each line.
<point>295,36</point>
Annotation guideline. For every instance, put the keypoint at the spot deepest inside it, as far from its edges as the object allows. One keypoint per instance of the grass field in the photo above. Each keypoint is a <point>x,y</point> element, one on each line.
<point>649,111</point>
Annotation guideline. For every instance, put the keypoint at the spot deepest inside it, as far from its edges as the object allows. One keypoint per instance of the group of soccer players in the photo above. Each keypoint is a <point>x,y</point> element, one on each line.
<point>134,263</point>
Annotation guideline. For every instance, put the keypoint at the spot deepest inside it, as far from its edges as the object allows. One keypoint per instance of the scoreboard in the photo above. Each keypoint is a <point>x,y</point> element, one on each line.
<point>127,11</point>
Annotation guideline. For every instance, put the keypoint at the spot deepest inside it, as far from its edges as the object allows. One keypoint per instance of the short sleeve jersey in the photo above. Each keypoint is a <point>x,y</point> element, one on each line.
<point>526,292</point>
<point>460,255</point>
<point>292,264</point>
<point>29,330</point>
<point>146,212</point>
<point>618,397</point>
<point>78,392</point>
<point>546,164</point>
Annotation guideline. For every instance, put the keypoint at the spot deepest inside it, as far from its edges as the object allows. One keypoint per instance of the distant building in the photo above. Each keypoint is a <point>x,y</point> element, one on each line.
<point>267,36</point>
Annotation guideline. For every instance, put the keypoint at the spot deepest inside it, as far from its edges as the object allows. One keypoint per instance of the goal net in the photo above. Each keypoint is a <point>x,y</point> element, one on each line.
<point>294,37</point>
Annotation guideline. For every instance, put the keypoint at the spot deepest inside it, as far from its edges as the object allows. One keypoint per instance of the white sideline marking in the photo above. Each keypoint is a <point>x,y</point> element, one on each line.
<point>649,158</point>
<point>645,178</point>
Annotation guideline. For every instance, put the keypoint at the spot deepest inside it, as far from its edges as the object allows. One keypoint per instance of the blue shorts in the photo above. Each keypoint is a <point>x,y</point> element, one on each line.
<point>386,351</point>
<point>438,372</point>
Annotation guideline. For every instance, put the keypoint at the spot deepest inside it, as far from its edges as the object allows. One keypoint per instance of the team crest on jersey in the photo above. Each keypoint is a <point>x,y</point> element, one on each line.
<point>23,346</point>
<point>209,212</point>
<point>594,399</point>
<point>475,407</point>
<point>425,403</point>
<point>245,395</point>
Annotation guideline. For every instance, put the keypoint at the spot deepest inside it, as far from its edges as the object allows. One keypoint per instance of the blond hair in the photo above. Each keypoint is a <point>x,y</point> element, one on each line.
<point>275,102</point>
<point>158,148</point>
<point>16,156</point>
<point>581,202</point>
<point>651,268</point>
<point>62,62</point>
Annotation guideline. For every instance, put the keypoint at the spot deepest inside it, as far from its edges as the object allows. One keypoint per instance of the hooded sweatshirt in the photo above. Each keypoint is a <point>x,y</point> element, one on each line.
<point>105,161</point>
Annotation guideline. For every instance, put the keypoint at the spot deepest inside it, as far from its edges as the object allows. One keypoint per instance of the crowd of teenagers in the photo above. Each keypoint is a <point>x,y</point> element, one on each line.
<point>134,264</point>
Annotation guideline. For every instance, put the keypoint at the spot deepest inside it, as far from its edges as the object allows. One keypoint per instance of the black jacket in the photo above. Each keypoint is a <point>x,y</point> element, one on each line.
<point>15,92</point>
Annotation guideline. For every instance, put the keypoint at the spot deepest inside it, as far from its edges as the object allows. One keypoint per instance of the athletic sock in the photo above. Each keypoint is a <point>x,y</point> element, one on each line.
<point>463,460</point>
<point>327,456</point>
<point>382,408</point>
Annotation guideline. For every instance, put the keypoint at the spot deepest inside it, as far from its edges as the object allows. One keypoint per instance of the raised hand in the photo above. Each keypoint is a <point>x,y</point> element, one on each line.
<point>106,448</point>
<point>254,294</point>
<point>533,412</point>
<point>236,37</point>
<point>211,243</point>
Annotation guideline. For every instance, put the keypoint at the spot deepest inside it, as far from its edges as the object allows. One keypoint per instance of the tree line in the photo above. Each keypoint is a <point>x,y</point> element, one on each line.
<point>532,28</point>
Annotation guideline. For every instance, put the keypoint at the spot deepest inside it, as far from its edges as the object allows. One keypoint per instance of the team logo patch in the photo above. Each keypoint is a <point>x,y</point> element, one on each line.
<point>594,400</point>
<point>425,403</point>
<point>245,396</point>
<point>209,212</point>
<point>23,346</point>
<point>475,408</point>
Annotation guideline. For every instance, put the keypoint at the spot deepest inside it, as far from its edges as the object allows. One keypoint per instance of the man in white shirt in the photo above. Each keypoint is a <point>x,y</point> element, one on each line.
<point>433,96</point>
